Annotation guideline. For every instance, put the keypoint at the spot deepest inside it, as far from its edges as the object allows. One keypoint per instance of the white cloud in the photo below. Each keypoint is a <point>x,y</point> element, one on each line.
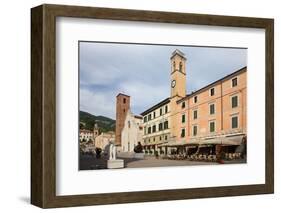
<point>144,95</point>
<point>143,72</point>
<point>97,103</point>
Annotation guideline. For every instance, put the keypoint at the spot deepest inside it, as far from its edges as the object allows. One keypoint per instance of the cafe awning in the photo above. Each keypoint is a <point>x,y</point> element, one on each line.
<point>178,143</point>
<point>153,143</point>
<point>227,141</point>
<point>233,140</point>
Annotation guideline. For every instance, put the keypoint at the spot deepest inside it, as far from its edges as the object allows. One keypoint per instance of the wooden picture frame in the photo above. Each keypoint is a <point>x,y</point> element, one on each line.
<point>43,105</point>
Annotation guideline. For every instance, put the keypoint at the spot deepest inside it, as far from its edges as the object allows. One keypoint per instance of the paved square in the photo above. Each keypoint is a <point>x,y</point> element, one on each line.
<point>90,162</point>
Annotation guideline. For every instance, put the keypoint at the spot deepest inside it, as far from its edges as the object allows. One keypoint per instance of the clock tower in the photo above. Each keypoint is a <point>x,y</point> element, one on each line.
<point>178,74</point>
<point>178,90</point>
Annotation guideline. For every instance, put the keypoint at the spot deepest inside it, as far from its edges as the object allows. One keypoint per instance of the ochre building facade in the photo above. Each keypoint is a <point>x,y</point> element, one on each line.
<point>214,114</point>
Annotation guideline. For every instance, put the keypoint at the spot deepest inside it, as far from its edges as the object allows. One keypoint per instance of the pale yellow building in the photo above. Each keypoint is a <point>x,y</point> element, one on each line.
<point>157,125</point>
<point>156,122</point>
<point>86,135</point>
<point>102,140</point>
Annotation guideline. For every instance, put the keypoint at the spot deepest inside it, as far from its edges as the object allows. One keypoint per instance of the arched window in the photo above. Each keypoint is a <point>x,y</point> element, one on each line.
<point>180,66</point>
<point>174,66</point>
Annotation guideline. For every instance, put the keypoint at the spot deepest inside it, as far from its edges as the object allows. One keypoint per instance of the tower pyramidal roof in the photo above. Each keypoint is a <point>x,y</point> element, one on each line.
<point>178,52</point>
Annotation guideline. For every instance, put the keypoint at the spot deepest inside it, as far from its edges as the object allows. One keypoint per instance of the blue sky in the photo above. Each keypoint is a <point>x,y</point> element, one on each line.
<point>143,72</point>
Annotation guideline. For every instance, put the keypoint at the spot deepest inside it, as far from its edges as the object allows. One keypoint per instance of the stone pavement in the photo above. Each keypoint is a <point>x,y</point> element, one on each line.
<point>153,162</point>
<point>89,162</point>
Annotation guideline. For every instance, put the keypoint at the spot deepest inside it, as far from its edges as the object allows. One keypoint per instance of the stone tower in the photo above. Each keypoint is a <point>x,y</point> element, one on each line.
<point>96,130</point>
<point>178,88</point>
<point>178,74</point>
<point>122,107</point>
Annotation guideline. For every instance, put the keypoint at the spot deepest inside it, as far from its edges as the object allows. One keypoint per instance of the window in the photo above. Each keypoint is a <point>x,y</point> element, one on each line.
<point>183,118</point>
<point>161,111</point>
<point>180,66</point>
<point>144,131</point>
<point>160,126</point>
<point>149,117</point>
<point>153,139</point>
<point>183,105</point>
<point>234,101</point>
<point>195,114</point>
<point>145,119</point>
<point>124,100</point>
<point>212,109</point>
<point>166,125</point>
<point>174,66</point>
<point>195,99</point>
<point>212,92</point>
<point>129,124</point>
<point>160,138</point>
<point>154,114</point>
<point>149,130</point>
<point>124,110</point>
<point>234,122</point>
<point>194,131</point>
<point>182,133</point>
<point>154,128</point>
<point>166,137</point>
<point>166,109</point>
<point>234,82</point>
<point>212,126</point>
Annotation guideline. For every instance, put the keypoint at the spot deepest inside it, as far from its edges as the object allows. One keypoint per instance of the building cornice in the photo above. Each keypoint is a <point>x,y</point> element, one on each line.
<point>176,70</point>
<point>165,101</point>
<point>231,75</point>
<point>122,94</point>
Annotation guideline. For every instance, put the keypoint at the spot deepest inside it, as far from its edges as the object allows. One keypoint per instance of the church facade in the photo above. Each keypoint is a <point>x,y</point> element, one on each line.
<point>132,132</point>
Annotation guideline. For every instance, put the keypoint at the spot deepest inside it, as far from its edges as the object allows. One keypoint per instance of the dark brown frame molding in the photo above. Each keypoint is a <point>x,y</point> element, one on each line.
<point>43,105</point>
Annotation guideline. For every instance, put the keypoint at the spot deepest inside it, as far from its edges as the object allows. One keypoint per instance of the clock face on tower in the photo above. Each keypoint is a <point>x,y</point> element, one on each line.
<point>173,84</point>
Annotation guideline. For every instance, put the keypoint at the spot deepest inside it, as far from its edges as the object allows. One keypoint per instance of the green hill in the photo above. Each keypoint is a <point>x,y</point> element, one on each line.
<point>88,121</point>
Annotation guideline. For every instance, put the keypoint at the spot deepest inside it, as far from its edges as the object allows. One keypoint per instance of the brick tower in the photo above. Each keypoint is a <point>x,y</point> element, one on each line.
<point>122,107</point>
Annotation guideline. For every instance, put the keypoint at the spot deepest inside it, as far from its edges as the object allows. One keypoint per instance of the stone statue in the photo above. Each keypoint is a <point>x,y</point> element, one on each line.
<point>112,162</point>
<point>112,151</point>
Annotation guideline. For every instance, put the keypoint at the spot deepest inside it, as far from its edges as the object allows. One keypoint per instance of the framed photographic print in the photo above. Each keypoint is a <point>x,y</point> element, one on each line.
<point>137,106</point>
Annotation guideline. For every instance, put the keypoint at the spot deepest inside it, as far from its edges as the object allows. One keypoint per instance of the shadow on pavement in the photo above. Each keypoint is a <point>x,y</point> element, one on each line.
<point>90,162</point>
